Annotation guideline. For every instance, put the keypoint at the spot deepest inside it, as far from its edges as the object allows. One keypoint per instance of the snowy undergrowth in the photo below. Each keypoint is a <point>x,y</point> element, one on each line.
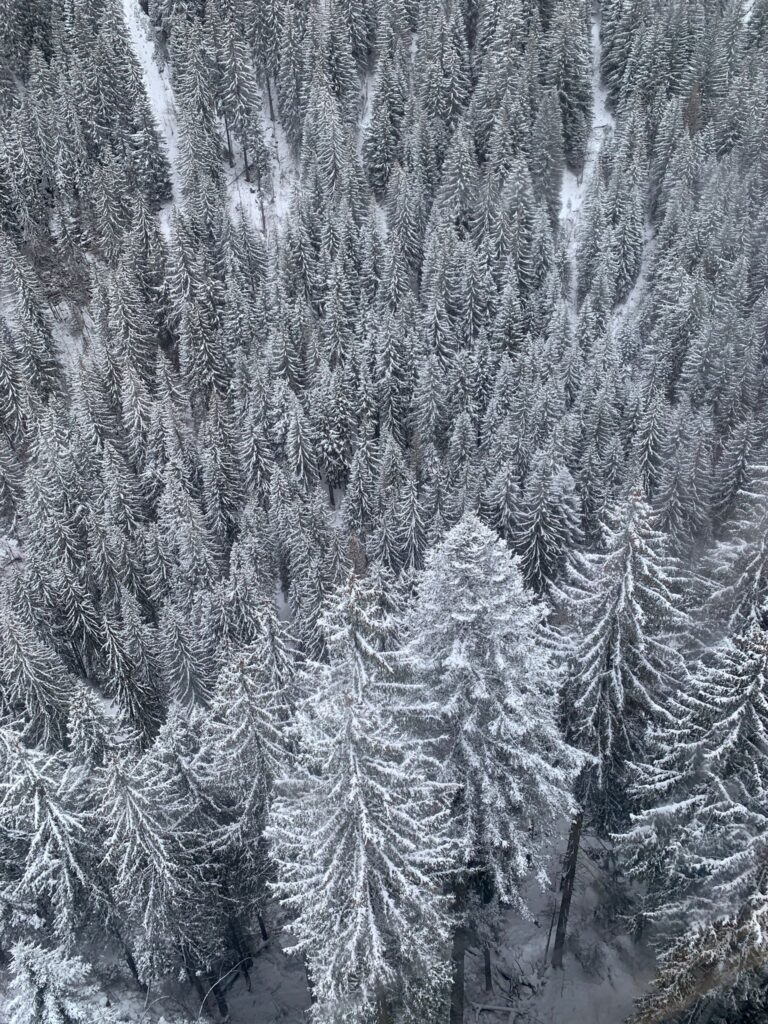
<point>265,208</point>
<point>245,197</point>
<point>604,971</point>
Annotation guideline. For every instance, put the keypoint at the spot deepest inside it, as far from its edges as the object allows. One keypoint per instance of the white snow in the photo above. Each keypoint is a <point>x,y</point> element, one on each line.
<point>159,92</point>
<point>369,87</point>
<point>285,172</point>
<point>278,990</point>
<point>575,187</point>
<point>603,972</point>
<point>245,199</point>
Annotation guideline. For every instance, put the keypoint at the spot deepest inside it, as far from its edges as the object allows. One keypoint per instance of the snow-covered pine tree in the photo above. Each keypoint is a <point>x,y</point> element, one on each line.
<point>50,987</point>
<point>621,620</point>
<point>484,688</point>
<point>698,840</point>
<point>45,815</point>
<point>548,525</point>
<point>359,827</point>
<point>737,565</point>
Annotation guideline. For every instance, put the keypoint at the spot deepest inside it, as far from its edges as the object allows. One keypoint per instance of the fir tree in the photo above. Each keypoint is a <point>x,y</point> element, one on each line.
<point>624,606</point>
<point>469,662</point>
<point>50,987</point>
<point>358,828</point>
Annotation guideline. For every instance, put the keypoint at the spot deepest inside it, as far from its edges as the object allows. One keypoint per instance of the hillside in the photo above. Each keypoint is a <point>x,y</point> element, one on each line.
<point>383,511</point>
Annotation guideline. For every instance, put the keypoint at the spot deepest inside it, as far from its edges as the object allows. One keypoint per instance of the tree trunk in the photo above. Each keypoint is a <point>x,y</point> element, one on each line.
<point>230,157</point>
<point>262,928</point>
<point>197,985</point>
<point>487,969</point>
<point>128,957</point>
<point>242,950</point>
<point>218,995</point>
<point>383,1012</point>
<point>457,956</point>
<point>261,198</point>
<point>457,991</point>
<point>269,101</point>
<point>566,887</point>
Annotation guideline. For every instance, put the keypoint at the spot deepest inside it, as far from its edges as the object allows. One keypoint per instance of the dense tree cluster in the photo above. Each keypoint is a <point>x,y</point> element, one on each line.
<point>376,509</point>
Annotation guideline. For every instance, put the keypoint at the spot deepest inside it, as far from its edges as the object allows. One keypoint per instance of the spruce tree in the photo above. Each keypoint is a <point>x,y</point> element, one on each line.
<point>359,828</point>
<point>623,617</point>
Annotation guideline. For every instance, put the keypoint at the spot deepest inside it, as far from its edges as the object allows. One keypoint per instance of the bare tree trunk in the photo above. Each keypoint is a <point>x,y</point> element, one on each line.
<point>241,947</point>
<point>261,198</point>
<point>197,985</point>
<point>487,968</point>
<point>269,101</point>
<point>262,927</point>
<point>230,157</point>
<point>128,957</point>
<point>457,956</point>
<point>218,995</point>
<point>566,886</point>
<point>383,1013</point>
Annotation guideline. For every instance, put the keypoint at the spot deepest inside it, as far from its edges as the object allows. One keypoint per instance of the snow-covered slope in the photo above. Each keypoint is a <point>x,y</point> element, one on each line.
<point>156,82</point>
<point>575,186</point>
<point>264,210</point>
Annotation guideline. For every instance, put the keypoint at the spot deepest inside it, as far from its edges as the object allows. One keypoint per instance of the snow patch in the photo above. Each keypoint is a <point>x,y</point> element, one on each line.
<point>603,974</point>
<point>159,92</point>
<point>575,186</point>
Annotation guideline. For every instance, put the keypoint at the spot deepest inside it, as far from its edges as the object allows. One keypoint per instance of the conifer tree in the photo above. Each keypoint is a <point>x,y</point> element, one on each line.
<point>571,65</point>
<point>697,840</point>
<point>548,526</point>
<point>624,606</point>
<point>359,829</point>
<point>469,661</point>
<point>50,987</point>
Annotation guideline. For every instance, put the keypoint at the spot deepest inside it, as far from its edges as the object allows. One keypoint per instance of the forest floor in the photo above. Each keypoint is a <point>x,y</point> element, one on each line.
<point>604,970</point>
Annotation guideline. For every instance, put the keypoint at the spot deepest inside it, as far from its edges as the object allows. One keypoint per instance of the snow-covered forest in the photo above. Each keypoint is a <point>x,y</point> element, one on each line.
<point>383,511</point>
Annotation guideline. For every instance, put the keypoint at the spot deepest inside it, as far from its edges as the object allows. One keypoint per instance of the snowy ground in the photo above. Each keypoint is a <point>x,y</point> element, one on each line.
<point>575,187</point>
<point>244,196</point>
<point>603,972</point>
<point>159,91</point>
